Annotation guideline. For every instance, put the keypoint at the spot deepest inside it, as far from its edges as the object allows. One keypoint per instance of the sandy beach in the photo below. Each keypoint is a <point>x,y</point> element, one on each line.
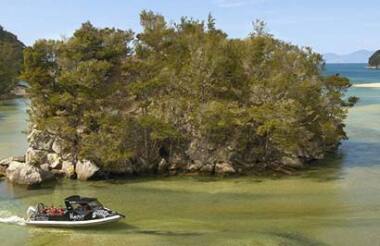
<point>368,85</point>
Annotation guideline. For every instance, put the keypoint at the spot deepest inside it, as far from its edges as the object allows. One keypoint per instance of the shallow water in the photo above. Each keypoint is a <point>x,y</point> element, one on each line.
<point>336,202</point>
<point>12,125</point>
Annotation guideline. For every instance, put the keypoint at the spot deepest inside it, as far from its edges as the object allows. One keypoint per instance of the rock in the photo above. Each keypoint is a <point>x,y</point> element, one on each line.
<point>224,168</point>
<point>58,145</point>
<point>314,151</point>
<point>26,174</point>
<point>7,161</point>
<point>194,167</point>
<point>198,151</point>
<point>177,158</point>
<point>293,162</point>
<point>163,166</point>
<point>45,167</point>
<point>3,170</point>
<point>119,168</point>
<point>20,158</point>
<point>80,130</point>
<point>67,156</point>
<point>35,157</point>
<point>40,140</point>
<point>85,169</point>
<point>208,168</point>
<point>68,168</point>
<point>142,166</point>
<point>54,161</point>
<point>58,173</point>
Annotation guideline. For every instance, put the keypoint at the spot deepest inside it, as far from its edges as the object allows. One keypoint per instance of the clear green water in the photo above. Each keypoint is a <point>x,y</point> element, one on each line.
<point>337,202</point>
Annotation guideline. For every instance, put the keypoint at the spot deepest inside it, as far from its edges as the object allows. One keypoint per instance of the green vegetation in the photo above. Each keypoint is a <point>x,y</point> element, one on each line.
<point>10,60</point>
<point>374,60</point>
<point>114,96</point>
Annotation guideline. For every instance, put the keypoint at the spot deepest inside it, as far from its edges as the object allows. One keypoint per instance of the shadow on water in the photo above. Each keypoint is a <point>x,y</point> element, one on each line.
<point>351,154</point>
<point>295,238</point>
<point>361,154</point>
<point>117,228</point>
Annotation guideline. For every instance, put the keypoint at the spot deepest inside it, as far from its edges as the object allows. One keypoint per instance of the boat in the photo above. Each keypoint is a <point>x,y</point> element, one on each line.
<point>79,212</point>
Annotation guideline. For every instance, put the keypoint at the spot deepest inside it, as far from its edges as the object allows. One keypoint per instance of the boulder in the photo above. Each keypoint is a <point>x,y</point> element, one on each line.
<point>26,174</point>
<point>224,168</point>
<point>68,168</point>
<point>58,145</point>
<point>40,140</point>
<point>20,158</point>
<point>68,156</point>
<point>3,170</point>
<point>85,169</point>
<point>163,166</point>
<point>35,156</point>
<point>292,161</point>
<point>7,161</point>
<point>54,161</point>
<point>58,173</point>
<point>207,168</point>
<point>45,167</point>
<point>194,167</point>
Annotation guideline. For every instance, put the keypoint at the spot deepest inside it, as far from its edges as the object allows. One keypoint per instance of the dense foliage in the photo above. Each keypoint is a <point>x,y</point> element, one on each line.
<point>10,60</point>
<point>114,96</point>
<point>374,60</point>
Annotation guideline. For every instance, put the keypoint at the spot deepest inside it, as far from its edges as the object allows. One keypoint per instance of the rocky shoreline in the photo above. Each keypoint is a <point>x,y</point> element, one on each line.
<point>49,157</point>
<point>19,91</point>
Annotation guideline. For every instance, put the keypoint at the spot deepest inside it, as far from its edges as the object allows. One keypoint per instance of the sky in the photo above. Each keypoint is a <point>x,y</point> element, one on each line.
<point>340,26</point>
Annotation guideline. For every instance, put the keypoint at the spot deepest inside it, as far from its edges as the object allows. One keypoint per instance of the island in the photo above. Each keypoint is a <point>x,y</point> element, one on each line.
<point>175,99</point>
<point>374,60</point>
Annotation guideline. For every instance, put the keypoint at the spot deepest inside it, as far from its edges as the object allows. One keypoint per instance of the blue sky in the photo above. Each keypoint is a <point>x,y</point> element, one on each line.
<point>339,26</point>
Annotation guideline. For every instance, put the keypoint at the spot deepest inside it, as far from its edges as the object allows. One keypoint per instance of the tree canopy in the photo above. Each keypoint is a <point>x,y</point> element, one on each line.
<point>374,60</point>
<point>11,58</point>
<point>115,95</point>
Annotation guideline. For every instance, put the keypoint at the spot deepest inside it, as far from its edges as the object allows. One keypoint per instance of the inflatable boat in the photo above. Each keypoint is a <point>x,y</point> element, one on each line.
<point>79,211</point>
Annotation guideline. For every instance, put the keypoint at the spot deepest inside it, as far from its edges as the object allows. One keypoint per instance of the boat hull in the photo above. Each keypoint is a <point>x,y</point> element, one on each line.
<point>84,223</point>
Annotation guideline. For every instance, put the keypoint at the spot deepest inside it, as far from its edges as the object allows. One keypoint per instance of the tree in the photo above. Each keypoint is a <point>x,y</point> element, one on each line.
<point>182,84</point>
<point>10,60</point>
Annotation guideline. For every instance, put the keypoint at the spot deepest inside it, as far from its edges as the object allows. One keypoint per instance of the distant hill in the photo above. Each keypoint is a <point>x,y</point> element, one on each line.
<point>360,56</point>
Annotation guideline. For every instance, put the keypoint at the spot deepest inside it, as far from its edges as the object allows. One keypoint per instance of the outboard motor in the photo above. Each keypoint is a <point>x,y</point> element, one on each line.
<point>31,212</point>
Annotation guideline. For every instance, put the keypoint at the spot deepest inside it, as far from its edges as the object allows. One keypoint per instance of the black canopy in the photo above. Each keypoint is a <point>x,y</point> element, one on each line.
<point>69,201</point>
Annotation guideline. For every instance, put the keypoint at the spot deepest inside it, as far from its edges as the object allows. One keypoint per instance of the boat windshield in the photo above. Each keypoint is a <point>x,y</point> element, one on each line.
<point>95,204</point>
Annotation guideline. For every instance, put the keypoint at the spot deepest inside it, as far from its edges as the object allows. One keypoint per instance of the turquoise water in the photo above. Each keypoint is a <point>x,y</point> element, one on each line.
<point>335,202</point>
<point>357,72</point>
